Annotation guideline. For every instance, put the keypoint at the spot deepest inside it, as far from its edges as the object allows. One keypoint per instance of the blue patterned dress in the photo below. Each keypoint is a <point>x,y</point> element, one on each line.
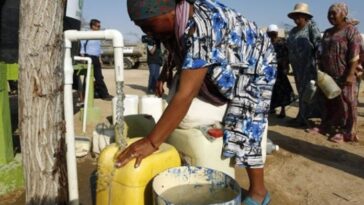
<point>238,58</point>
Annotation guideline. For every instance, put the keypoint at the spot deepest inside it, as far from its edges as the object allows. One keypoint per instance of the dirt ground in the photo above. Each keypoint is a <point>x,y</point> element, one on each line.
<point>308,169</point>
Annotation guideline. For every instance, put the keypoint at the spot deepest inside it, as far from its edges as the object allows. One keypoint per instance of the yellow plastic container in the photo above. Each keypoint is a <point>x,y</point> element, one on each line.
<point>127,185</point>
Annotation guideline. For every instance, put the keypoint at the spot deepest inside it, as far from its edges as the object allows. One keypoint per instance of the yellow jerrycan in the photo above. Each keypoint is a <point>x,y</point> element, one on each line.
<point>128,185</point>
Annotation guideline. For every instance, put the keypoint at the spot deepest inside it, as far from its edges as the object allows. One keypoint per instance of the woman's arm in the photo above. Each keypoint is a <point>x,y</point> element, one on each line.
<point>354,47</point>
<point>190,83</point>
<point>351,76</point>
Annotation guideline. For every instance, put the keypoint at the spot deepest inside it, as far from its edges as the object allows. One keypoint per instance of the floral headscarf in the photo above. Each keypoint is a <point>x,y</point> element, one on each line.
<point>144,9</point>
<point>342,8</point>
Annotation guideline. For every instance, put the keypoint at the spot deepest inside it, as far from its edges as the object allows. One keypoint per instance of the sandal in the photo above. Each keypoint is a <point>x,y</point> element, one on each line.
<point>250,201</point>
<point>337,138</point>
<point>348,137</point>
<point>313,130</point>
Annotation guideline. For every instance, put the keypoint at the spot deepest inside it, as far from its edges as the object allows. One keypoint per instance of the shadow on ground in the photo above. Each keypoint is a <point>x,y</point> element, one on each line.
<point>137,87</point>
<point>336,158</point>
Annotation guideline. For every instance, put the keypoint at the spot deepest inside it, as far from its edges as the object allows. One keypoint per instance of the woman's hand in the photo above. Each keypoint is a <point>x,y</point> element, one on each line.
<point>359,71</point>
<point>138,150</point>
<point>351,77</point>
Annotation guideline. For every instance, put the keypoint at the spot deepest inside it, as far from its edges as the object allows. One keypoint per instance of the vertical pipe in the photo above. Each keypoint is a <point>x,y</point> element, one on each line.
<point>88,74</point>
<point>70,135</point>
<point>87,82</point>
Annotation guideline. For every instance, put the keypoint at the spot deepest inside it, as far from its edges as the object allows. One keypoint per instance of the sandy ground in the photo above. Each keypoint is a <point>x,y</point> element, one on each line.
<point>308,169</point>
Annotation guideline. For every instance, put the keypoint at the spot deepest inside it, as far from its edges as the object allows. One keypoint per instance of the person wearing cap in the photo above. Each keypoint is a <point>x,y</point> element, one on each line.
<point>341,47</point>
<point>213,43</point>
<point>303,42</point>
<point>282,91</point>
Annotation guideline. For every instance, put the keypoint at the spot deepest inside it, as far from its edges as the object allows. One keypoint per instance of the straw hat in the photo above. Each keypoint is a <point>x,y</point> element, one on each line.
<point>300,8</point>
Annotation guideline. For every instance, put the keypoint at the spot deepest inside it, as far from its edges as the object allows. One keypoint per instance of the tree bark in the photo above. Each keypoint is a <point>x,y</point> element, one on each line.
<point>41,110</point>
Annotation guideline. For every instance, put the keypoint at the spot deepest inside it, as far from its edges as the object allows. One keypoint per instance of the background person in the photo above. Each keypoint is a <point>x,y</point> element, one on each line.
<point>341,45</point>
<point>92,49</point>
<point>302,42</point>
<point>154,60</point>
<point>205,42</point>
<point>282,94</point>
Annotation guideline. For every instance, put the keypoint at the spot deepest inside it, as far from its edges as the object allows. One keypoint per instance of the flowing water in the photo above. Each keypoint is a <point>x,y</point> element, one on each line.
<point>119,124</point>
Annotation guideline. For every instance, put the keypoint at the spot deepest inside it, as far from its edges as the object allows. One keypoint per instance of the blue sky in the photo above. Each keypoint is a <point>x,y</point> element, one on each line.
<point>113,13</point>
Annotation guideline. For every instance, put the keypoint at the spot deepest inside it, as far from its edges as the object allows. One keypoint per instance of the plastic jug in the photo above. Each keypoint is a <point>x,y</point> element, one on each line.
<point>151,105</point>
<point>271,147</point>
<point>310,91</point>
<point>327,85</point>
<point>127,185</point>
<point>131,105</point>
<point>197,150</point>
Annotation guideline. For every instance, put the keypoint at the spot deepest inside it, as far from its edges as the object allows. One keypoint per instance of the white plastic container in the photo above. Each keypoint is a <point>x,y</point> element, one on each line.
<point>327,85</point>
<point>131,105</point>
<point>310,91</point>
<point>199,151</point>
<point>271,147</point>
<point>151,105</point>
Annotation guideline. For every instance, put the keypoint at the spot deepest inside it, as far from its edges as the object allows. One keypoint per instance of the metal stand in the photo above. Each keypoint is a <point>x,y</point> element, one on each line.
<point>11,171</point>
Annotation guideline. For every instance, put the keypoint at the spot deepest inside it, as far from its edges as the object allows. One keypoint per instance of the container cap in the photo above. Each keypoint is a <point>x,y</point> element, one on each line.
<point>215,132</point>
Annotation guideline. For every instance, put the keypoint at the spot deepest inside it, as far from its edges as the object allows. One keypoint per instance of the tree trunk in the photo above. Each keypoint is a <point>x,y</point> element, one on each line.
<point>41,122</point>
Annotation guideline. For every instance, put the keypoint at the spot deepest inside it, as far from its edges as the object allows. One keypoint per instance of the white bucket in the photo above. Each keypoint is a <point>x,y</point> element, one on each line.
<point>102,136</point>
<point>82,146</point>
<point>151,105</point>
<point>195,185</point>
<point>131,104</point>
<point>327,85</point>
